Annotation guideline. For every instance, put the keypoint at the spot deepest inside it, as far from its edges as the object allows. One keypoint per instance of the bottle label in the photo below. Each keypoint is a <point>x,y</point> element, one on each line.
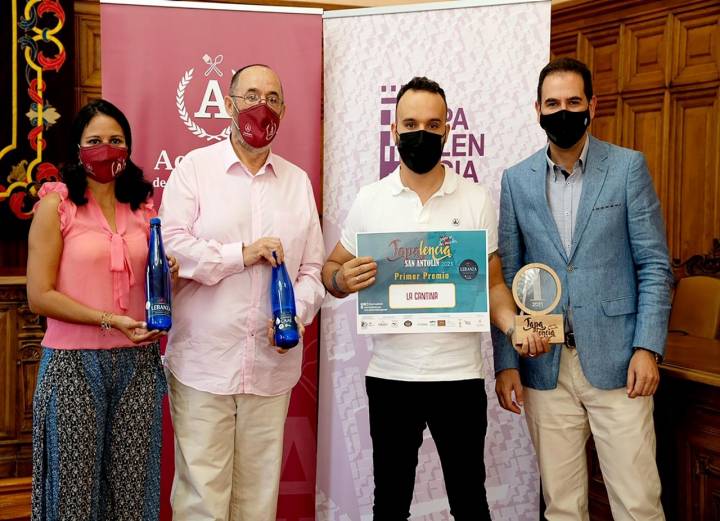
<point>285,320</point>
<point>158,309</point>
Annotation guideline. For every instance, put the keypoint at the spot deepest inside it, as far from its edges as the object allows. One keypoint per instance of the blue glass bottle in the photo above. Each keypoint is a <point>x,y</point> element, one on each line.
<point>158,290</point>
<point>282,300</point>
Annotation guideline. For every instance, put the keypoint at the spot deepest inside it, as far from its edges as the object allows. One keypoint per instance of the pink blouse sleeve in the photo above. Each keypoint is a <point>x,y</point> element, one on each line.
<point>66,208</point>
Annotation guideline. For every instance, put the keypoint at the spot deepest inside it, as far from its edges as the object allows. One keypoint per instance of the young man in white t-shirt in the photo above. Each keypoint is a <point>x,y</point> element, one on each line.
<point>433,379</point>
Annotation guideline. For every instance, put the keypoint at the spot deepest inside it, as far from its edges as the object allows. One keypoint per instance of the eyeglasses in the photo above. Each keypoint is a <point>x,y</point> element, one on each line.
<point>252,98</point>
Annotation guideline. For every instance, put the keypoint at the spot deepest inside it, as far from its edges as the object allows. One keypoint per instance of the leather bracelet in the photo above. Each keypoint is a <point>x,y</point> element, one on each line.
<point>335,284</point>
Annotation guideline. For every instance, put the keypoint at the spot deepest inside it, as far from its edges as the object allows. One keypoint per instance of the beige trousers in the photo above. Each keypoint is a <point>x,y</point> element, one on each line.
<point>560,422</point>
<point>228,454</point>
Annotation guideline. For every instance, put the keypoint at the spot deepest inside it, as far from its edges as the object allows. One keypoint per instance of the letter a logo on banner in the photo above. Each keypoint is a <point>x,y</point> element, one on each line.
<point>212,98</point>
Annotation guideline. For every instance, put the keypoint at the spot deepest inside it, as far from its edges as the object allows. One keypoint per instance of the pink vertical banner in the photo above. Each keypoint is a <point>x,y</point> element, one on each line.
<point>167,66</point>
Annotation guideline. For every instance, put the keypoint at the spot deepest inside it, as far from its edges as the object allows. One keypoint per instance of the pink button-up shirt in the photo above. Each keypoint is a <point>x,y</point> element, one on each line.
<point>211,206</point>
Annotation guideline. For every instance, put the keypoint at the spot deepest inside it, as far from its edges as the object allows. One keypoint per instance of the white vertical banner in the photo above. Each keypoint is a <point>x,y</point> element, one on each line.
<point>487,56</point>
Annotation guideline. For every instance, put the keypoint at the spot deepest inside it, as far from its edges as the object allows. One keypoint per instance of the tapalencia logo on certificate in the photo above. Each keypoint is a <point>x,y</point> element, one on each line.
<point>199,88</point>
<point>428,281</point>
<point>422,254</point>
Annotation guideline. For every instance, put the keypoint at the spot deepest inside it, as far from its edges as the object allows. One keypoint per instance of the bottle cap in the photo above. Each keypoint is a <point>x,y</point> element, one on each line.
<point>155,220</point>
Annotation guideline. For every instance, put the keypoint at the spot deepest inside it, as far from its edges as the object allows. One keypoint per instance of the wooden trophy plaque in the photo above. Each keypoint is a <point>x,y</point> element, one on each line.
<point>536,289</point>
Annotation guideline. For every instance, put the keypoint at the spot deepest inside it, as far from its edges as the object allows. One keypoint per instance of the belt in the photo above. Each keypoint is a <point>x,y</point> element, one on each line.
<point>570,339</point>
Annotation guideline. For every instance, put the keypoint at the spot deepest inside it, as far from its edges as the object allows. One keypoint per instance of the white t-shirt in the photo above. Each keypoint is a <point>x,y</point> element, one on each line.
<point>389,206</point>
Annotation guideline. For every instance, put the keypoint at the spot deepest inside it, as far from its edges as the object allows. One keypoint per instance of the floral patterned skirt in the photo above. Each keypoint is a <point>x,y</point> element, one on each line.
<point>97,431</point>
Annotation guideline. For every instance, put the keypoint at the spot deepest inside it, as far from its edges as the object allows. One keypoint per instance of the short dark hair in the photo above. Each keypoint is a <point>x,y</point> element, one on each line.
<point>234,78</point>
<point>567,65</point>
<point>421,83</point>
<point>130,185</point>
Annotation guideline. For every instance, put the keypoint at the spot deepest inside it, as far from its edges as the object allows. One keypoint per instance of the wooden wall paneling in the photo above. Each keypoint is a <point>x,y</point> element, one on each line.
<point>564,47</point>
<point>606,124</point>
<point>86,95</point>
<point>645,127</point>
<point>694,194</point>
<point>696,46</point>
<point>656,70</point>
<point>21,333</point>
<point>30,332</point>
<point>87,44</point>
<point>583,15</point>
<point>14,249</point>
<point>15,499</point>
<point>646,54</point>
<point>704,501</point>
<point>600,50</point>
<point>687,421</point>
<point>698,444</point>
<point>7,390</point>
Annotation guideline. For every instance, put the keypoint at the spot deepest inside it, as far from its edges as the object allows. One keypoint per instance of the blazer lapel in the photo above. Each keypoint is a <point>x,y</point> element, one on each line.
<point>538,195</point>
<point>593,181</point>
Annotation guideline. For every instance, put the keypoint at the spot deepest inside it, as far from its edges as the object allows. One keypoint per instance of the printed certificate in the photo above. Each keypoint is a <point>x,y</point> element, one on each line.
<point>427,282</point>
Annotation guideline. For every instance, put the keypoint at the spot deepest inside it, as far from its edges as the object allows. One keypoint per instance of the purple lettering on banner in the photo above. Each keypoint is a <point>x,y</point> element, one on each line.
<point>389,158</point>
<point>458,144</point>
<point>460,120</point>
<point>463,151</point>
<point>479,148</point>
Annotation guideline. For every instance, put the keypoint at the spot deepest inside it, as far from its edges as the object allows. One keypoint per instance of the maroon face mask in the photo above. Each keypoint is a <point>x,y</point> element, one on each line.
<point>103,162</point>
<point>257,125</point>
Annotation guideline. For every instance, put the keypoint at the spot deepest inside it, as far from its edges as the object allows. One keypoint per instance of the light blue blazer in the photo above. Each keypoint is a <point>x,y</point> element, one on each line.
<point>617,277</point>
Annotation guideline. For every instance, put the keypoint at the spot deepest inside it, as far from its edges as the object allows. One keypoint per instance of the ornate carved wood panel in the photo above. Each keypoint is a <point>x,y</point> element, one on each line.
<point>21,333</point>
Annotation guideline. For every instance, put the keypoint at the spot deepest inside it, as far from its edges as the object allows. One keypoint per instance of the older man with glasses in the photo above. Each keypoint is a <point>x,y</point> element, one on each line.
<point>227,208</point>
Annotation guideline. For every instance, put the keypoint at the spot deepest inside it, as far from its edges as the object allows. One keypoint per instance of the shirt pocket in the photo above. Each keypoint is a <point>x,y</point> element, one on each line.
<point>607,206</point>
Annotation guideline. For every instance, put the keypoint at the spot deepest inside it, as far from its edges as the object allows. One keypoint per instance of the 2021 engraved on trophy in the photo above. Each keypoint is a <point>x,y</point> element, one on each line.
<point>536,289</point>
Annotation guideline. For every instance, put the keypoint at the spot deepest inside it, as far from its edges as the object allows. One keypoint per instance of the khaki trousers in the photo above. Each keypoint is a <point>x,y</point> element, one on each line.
<point>560,422</point>
<point>228,454</point>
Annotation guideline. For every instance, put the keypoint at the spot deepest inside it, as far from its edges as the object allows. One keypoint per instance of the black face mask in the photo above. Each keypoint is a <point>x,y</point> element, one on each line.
<point>420,150</point>
<point>564,127</point>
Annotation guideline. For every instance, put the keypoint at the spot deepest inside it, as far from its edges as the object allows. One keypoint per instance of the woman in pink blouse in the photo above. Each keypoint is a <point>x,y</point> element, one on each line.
<point>97,409</point>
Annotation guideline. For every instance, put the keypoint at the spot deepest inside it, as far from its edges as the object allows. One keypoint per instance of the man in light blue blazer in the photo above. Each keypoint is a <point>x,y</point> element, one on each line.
<point>587,209</point>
